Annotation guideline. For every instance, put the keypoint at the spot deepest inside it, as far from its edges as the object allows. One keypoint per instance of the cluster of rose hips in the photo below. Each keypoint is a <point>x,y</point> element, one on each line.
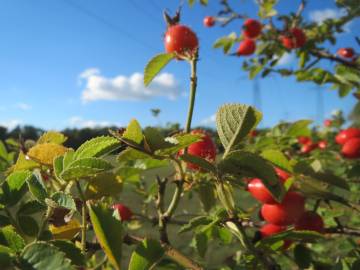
<point>290,211</point>
<point>350,140</point>
<point>307,145</point>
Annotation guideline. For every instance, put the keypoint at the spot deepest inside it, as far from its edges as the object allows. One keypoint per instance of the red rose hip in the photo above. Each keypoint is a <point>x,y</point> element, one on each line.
<point>351,149</point>
<point>209,21</point>
<point>124,212</point>
<point>294,39</point>
<point>304,140</point>
<point>346,52</point>
<point>252,28</point>
<point>181,40</point>
<point>310,221</point>
<point>285,213</point>
<point>205,148</point>
<point>344,135</point>
<point>246,47</point>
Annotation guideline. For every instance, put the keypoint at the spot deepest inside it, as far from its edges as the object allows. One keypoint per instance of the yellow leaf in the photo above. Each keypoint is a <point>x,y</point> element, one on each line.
<point>52,137</point>
<point>105,184</point>
<point>67,231</point>
<point>46,152</point>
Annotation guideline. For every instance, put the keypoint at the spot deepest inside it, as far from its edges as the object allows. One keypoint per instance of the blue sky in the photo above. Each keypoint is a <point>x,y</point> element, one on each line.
<point>56,57</point>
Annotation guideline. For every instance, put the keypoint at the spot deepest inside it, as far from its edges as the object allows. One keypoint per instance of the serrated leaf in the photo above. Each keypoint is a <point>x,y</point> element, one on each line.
<point>52,137</point>
<point>146,255</point>
<point>37,188</point>
<point>10,239</point>
<point>131,154</point>
<point>24,163</point>
<point>31,207</point>
<point>155,65</point>
<point>72,252</point>
<point>104,184</point>
<point>278,159</point>
<point>179,141</point>
<point>299,128</point>
<point>201,243</point>
<point>234,122</point>
<point>195,222</point>
<point>96,147</point>
<point>154,139</point>
<point>13,188</point>
<point>198,161</point>
<point>307,236</point>
<point>68,231</point>
<point>28,225</point>
<point>133,132</point>
<point>43,256</point>
<point>85,168</point>
<point>108,231</point>
<point>46,152</point>
<point>64,200</point>
<point>58,166</point>
<point>68,158</point>
<point>246,164</point>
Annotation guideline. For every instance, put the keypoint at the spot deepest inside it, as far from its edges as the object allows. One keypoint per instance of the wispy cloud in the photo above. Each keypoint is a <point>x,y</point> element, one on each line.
<point>319,16</point>
<point>120,87</point>
<point>11,124</point>
<point>79,122</point>
<point>209,121</point>
<point>23,106</point>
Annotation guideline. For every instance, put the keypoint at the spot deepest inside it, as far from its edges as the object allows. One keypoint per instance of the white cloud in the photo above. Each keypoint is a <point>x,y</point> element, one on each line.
<point>120,87</point>
<point>11,124</point>
<point>23,106</point>
<point>209,120</point>
<point>319,16</point>
<point>79,122</point>
<point>286,59</point>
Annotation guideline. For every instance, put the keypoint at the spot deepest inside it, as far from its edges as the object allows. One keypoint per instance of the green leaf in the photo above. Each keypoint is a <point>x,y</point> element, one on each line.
<point>131,154</point>
<point>5,260</point>
<point>278,159</point>
<point>302,256</point>
<point>13,188</point>
<point>155,65</point>
<point>207,195</point>
<point>64,200</point>
<point>306,236</point>
<point>179,141</point>
<point>84,168</point>
<point>4,220</point>
<point>225,195</point>
<point>72,252</point>
<point>246,164</point>
<point>43,256</point>
<point>37,188</point>
<point>154,139</point>
<point>52,137</point>
<point>31,207</point>
<point>28,225</point>
<point>266,9</point>
<point>234,122</point>
<point>299,128</point>
<point>201,243</point>
<point>68,159</point>
<point>108,231</point>
<point>200,162</point>
<point>9,238</point>
<point>104,184</point>
<point>96,147</point>
<point>58,165</point>
<point>226,42</point>
<point>146,255</point>
<point>194,223</point>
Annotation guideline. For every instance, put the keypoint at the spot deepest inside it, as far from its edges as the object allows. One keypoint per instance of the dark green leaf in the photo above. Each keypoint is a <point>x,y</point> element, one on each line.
<point>201,243</point>
<point>146,255</point>
<point>31,207</point>
<point>72,252</point>
<point>64,200</point>
<point>302,256</point>
<point>37,188</point>
<point>200,162</point>
<point>28,225</point>
<point>9,238</point>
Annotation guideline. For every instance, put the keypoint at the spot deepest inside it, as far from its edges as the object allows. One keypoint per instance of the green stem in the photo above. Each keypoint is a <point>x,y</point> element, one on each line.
<point>175,199</point>
<point>83,218</point>
<point>48,214</point>
<point>193,85</point>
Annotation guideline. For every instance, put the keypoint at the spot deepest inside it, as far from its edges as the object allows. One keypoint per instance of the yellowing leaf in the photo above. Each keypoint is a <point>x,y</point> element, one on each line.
<point>46,152</point>
<point>67,231</point>
<point>52,137</point>
<point>24,163</point>
<point>105,184</point>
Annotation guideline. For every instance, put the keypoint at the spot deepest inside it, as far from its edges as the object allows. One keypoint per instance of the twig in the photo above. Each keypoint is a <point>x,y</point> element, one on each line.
<point>326,55</point>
